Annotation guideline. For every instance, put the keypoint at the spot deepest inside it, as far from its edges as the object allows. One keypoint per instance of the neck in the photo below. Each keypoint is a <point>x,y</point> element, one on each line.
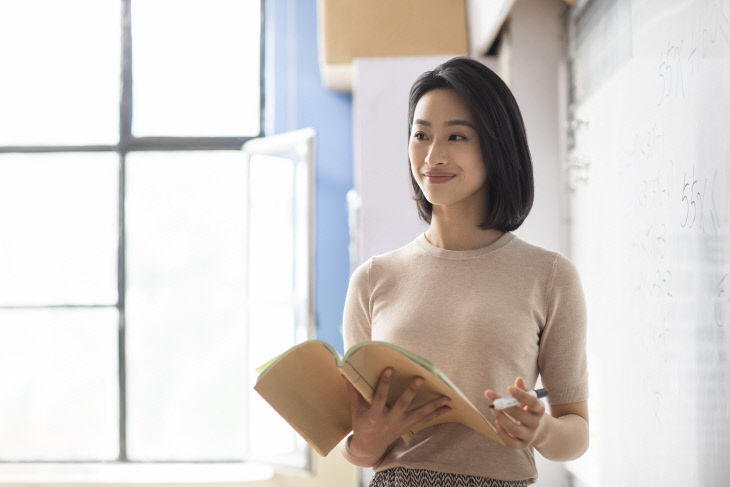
<point>459,233</point>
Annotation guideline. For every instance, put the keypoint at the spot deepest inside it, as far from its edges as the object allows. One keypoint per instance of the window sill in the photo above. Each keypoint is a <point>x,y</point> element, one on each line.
<point>117,473</point>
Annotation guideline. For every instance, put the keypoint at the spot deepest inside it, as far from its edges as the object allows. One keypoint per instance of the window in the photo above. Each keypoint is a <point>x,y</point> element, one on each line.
<point>146,262</point>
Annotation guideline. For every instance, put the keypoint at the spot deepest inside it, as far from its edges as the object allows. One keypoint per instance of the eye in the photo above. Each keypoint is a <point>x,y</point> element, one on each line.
<point>420,136</point>
<point>457,137</point>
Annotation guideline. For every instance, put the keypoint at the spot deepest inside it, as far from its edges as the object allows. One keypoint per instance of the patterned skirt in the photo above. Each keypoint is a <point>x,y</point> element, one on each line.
<point>408,477</point>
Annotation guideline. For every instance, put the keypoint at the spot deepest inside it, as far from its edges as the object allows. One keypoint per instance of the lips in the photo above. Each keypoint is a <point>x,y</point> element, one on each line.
<point>438,177</point>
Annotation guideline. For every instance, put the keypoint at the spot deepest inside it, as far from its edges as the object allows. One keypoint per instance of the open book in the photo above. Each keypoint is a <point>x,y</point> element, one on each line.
<point>305,387</point>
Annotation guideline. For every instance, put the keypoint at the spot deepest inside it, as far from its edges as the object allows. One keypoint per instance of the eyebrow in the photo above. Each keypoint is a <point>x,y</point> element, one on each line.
<point>449,123</point>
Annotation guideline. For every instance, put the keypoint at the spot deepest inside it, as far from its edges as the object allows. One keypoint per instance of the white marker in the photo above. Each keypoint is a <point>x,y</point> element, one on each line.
<point>508,402</point>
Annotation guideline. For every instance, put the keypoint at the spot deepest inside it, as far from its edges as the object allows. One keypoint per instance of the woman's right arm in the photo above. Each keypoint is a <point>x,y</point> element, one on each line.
<point>376,426</point>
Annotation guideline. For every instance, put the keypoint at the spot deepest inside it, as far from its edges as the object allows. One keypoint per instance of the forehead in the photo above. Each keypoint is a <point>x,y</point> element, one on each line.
<point>442,104</point>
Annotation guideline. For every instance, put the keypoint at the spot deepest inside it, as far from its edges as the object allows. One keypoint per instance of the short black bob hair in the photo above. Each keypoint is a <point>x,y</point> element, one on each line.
<point>502,138</point>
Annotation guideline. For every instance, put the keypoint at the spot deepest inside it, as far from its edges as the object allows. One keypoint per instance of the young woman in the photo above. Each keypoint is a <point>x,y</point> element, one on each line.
<point>490,310</point>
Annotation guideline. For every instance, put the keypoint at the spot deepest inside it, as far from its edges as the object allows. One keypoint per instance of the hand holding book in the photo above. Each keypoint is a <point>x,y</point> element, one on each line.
<point>305,387</point>
<point>376,426</point>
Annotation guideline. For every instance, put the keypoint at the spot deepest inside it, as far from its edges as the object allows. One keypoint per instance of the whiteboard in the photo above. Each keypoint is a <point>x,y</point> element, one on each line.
<point>650,219</point>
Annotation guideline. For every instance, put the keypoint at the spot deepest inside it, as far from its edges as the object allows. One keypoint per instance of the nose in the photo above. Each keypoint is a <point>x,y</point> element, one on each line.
<point>436,154</point>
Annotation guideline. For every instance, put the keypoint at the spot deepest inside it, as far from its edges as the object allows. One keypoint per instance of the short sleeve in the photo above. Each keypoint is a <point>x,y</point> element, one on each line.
<point>562,357</point>
<point>356,320</point>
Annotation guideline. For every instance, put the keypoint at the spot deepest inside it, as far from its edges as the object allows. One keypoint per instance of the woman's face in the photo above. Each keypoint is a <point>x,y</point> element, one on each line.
<point>445,153</point>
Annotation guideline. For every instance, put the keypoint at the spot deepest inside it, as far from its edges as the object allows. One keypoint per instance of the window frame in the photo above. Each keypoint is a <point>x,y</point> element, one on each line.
<point>129,143</point>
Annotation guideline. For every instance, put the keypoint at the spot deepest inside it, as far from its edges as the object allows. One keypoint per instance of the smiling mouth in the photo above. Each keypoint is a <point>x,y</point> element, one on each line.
<point>438,178</point>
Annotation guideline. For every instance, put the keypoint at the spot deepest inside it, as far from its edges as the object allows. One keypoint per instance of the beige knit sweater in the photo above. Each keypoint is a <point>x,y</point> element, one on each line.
<point>484,317</point>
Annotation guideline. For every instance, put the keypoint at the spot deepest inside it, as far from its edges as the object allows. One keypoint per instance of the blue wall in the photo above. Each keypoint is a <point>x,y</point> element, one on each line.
<point>296,99</point>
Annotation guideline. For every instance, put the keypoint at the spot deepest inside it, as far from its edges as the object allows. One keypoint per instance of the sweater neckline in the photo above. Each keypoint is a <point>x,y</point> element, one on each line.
<point>423,243</point>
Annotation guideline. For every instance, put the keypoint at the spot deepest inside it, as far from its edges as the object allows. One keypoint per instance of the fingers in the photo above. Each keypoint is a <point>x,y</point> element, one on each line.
<point>517,426</point>
<point>382,389</point>
<point>407,418</point>
<point>404,401</point>
<point>510,432</point>
<point>516,412</point>
<point>394,421</point>
<point>426,413</point>
<point>519,392</point>
<point>491,395</point>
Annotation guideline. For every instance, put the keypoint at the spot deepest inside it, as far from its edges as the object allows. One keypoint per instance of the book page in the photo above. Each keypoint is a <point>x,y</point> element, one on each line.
<point>306,388</point>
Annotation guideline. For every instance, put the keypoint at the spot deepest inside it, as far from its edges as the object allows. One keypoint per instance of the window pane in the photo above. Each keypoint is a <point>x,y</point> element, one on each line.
<point>59,396</point>
<point>272,228</point>
<point>303,242</point>
<point>60,72</point>
<point>279,275</point>
<point>200,76</point>
<point>271,439</point>
<point>58,221</point>
<point>186,318</point>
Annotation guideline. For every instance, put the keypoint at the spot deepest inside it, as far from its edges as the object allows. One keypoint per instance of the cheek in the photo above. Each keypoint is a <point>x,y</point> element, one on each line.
<point>414,172</point>
<point>413,158</point>
<point>479,169</point>
<point>411,153</point>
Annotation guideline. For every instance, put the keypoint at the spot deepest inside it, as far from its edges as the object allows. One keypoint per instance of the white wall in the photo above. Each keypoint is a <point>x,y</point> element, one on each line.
<point>532,61</point>
<point>388,217</point>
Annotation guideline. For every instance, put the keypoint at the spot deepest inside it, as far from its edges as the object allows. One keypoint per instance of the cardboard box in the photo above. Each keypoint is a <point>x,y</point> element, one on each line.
<point>386,28</point>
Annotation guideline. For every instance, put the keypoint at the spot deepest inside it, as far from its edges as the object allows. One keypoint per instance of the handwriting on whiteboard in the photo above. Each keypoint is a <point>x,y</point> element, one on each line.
<point>679,64</point>
<point>699,202</point>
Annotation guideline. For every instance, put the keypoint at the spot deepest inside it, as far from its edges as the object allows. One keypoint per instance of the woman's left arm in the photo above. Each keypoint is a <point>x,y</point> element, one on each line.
<point>560,436</point>
<point>564,433</point>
